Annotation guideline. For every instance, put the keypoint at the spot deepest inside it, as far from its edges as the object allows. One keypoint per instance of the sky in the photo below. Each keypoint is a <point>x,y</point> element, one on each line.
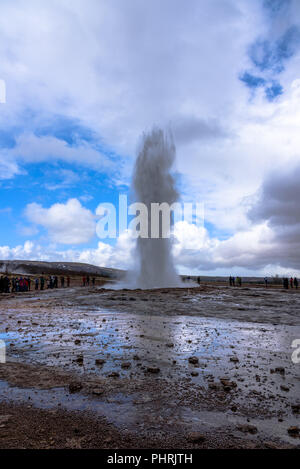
<point>85,78</point>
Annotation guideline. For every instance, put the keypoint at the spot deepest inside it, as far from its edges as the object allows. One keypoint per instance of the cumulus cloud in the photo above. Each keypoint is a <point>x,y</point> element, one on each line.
<point>194,251</point>
<point>187,129</point>
<point>104,255</point>
<point>68,223</point>
<point>30,148</point>
<point>278,204</point>
<point>279,199</point>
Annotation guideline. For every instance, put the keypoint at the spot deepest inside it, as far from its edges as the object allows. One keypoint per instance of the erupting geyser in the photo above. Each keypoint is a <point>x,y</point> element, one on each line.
<point>154,183</point>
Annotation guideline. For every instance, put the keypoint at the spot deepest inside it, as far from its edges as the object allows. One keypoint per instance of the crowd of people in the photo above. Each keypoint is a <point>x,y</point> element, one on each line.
<point>25,284</point>
<point>292,282</point>
<point>16,284</point>
<point>233,281</point>
<point>86,281</point>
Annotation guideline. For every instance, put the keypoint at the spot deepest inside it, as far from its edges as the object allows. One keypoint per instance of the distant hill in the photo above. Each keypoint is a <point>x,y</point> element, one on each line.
<point>57,268</point>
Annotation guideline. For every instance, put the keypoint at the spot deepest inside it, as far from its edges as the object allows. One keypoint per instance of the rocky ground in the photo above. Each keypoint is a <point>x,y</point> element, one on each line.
<point>205,367</point>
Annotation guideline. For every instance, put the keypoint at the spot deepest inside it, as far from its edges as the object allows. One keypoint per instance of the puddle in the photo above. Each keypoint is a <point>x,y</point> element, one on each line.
<point>244,352</point>
<point>142,414</point>
<point>166,343</point>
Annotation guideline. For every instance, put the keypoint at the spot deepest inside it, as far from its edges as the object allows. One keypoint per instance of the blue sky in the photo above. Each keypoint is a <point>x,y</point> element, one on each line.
<point>88,78</point>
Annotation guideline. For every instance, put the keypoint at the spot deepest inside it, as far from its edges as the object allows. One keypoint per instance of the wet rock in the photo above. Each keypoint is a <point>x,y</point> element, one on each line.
<point>194,360</point>
<point>79,360</point>
<point>152,369</point>
<point>294,431</point>
<point>296,409</point>
<point>247,429</point>
<point>75,387</point>
<point>195,437</point>
<point>227,384</point>
<point>97,391</point>
<point>126,365</point>
<point>99,361</point>
<point>234,359</point>
<point>284,388</point>
<point>213,387</point>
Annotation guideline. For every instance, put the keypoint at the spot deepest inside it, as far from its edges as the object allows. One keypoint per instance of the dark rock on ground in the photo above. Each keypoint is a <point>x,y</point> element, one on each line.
<point>247,429</point>
<point>195,437</point>
<point>75,387</point>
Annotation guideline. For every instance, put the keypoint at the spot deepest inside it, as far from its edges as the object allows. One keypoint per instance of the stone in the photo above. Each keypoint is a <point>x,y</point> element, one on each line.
<point>234,359</point>
<point>294,431</point>
<point>195,437</point>
<point>126,365</point>
<point>296,409</point>
<point>79,359</point>
<point>152,369</point>
<point>284,388</point>
<point>194,373</point>
<point>99,361</point>
<point>280,370</point>
<point>227,384</point>
<point>75,387</point>
<point>247,429</point>
<point>114,374</point>
<point>194,360</point>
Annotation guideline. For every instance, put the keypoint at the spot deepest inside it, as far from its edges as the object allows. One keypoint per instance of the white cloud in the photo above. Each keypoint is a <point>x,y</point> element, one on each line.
<point>32,149</point>
<point>68,223</point>
<point>104,255</point>
<point>254,252</point>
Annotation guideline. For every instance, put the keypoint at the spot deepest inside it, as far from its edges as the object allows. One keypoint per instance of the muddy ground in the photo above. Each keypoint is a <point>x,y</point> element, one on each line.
<point>206,367</point>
